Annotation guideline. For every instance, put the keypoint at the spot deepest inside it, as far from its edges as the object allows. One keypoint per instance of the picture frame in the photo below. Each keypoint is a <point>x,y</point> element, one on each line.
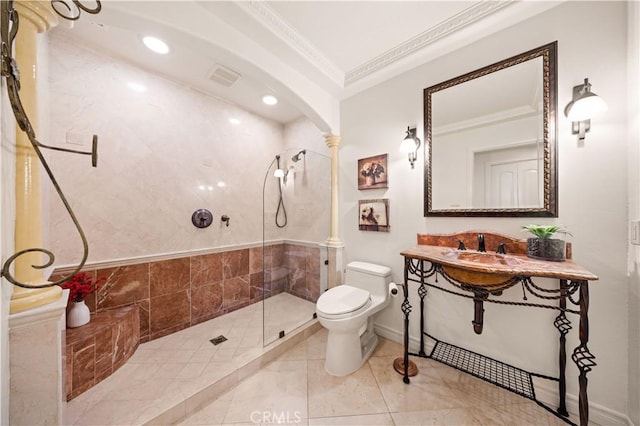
<point>373,172</point>
<point>373,215</point>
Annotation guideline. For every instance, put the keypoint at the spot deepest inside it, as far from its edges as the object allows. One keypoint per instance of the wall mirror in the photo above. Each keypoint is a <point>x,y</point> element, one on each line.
<point>490,139</point>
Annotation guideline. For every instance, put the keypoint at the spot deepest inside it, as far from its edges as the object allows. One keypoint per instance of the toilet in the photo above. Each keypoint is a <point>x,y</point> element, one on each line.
<point>346,311</point>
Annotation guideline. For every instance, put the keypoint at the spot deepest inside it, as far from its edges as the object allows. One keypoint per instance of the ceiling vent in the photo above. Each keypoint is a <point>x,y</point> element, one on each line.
<point>223,75</point>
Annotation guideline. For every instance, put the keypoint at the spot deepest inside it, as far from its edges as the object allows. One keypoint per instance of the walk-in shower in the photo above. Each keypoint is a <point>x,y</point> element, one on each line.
<point>296,199</point>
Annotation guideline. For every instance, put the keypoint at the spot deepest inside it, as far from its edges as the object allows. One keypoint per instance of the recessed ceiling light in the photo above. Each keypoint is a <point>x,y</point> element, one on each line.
<point>221,184</point>
<point>234,121</point>
<point>156,45</point>
<point>136,87</point>
<point>269,99</point>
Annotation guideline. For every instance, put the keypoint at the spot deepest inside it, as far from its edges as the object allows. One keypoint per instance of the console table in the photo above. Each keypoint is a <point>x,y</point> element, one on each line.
<point>483,276</point>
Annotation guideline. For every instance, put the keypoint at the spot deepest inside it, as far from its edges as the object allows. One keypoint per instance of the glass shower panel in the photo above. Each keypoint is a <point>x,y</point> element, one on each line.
<point>296,203</point>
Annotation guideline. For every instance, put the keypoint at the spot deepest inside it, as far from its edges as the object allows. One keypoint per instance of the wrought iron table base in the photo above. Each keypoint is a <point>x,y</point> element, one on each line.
<point>581,356</point>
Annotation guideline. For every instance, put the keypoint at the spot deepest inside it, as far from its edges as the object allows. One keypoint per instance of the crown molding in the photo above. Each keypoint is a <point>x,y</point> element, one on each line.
<point>264,14</point>
<point>422,40</point>
<point>487,120</point>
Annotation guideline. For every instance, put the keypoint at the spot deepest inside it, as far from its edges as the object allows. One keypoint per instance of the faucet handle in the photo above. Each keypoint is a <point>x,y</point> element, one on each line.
<point>501,249</point>
<point>461,245</point>
<point>481,246</point>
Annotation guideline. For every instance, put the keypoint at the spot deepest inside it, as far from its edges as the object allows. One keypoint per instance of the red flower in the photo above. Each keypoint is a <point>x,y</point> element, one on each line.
<point>80,285</point>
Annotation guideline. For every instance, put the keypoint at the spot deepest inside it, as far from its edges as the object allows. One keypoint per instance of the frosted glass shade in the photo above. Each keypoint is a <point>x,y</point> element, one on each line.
<point>408,145</point>
<point>586,107</point>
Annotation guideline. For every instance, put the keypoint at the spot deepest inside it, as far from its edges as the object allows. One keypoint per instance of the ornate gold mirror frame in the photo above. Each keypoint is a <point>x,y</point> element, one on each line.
<point>439,198</point>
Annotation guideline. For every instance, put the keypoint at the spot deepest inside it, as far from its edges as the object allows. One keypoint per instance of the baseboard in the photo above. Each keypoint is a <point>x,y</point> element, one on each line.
<point>545,392</point>
<point>398,337</point>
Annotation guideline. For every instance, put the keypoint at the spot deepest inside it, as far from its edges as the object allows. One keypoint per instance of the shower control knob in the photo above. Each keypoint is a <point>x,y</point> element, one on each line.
<point>201,218</point>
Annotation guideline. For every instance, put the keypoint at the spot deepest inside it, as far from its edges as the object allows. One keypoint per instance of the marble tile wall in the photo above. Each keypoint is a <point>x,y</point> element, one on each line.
<point>303,271</point>
<point>307,191</point>
<point>169,146</point>
<point>174,294</point>
<point>163,153</point>
<point>96,350</point>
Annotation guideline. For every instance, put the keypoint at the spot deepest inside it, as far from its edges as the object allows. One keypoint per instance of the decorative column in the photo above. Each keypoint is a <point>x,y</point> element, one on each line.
<point>35,17</point>
<point>334,244</point>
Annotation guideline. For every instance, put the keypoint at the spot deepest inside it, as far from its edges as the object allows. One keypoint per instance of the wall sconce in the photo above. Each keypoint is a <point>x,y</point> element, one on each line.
<point>584,106</point>
<point>410,145</point>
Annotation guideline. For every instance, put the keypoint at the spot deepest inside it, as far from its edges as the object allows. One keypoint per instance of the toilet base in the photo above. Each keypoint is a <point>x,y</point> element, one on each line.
<point>346,352</point>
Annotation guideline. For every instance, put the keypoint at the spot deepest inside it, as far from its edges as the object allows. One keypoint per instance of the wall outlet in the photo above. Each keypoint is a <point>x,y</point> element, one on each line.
<point>635,232</point>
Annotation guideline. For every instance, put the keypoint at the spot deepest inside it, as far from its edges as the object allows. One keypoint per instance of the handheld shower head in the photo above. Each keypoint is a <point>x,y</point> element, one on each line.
<point>297,157</point>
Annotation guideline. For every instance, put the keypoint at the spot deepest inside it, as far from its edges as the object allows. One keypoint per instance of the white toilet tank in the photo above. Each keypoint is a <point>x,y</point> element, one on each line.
<point>368,276</point>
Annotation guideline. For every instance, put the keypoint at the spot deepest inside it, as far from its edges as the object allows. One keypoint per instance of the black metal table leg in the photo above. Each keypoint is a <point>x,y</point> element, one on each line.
<point>563,325</point>
<point>422,291</point>
<point>406,309</point>
<point>581,355</point>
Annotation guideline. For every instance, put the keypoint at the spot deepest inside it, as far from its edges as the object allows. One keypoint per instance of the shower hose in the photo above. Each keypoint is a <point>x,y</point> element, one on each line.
<point>280,205</point>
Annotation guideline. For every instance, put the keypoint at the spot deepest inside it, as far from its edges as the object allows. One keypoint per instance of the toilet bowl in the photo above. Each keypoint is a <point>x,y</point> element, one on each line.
<point>346,311</point>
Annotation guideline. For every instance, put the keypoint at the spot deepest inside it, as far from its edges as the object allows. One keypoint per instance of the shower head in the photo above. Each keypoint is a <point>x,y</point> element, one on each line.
<point>297,157</point>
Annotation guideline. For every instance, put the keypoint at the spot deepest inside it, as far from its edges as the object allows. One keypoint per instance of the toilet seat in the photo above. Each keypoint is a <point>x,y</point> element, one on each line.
<point>342,300</point>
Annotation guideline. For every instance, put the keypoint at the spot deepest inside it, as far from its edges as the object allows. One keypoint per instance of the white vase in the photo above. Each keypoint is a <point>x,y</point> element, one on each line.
<point>78,314</point>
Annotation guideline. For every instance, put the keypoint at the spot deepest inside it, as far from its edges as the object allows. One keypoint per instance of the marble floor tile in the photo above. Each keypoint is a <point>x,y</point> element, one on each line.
<point>448,417</point>
<point>374,395</point>
<point>427,390</point>
<point>524,413</point>
<point>278,390</point>
<point>230,384</point>
<point>183,366</point>
<point>298,352</point>
<point>474,391</point>
<point>387,347</point>
<point>317,345</point>
<point>212,414</point>
<point>357,393</point>
<point>369,419</point>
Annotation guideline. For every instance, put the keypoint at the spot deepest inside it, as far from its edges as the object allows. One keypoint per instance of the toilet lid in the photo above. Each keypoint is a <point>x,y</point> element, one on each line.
<point>342,299</point>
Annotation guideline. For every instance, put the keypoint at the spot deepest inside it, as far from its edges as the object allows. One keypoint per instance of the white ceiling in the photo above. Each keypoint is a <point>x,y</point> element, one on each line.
<point>341,46</point>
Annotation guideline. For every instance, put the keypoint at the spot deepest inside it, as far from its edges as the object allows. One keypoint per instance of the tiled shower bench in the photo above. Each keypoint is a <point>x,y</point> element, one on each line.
<point>96,350</point>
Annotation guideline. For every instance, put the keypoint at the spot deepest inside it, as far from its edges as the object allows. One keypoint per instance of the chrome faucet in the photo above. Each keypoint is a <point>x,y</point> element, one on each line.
<point>481,243</point>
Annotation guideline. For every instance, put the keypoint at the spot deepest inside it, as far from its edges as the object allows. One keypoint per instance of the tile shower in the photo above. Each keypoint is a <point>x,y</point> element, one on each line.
<point>175,275</point>
<point>173,294</point>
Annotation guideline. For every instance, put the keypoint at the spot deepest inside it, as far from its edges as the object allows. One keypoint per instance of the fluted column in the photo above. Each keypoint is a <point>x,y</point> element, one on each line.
<point>333,142</point>
<point>35,17</point>
<point>334,244</point>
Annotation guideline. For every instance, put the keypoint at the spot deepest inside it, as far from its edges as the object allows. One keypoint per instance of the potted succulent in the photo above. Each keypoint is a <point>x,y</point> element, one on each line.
<point>543,246</point>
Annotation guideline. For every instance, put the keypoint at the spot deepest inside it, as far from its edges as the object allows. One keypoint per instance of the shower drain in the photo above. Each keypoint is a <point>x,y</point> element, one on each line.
<point>218,340</point>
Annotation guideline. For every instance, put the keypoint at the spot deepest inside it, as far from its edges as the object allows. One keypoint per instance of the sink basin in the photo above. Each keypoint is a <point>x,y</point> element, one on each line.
<point>486,259</point>
<point>482,260</point>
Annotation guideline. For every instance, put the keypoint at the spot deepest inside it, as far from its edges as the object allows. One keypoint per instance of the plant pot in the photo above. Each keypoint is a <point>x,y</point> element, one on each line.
<point>546,249</point>
<point>78,315</point>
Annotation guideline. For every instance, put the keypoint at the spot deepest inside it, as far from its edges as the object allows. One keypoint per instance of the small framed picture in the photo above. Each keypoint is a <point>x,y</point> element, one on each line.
<point>373,215</point>
<point>372,172</point>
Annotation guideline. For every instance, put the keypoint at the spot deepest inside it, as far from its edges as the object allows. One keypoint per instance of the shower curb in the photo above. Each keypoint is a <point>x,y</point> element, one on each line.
<point>208,394</point>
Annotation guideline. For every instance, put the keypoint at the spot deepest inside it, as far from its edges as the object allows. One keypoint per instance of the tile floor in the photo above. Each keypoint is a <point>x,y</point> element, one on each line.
<point>295,389</point>
<point>171,376</point>
<point>184,379</point>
